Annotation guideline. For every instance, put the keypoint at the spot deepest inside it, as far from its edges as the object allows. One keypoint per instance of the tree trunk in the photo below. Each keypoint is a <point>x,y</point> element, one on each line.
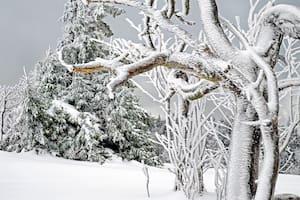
<point>239,181</point>
<point>255,158</point>
<point>201,181</point>
<point>2,118</point>
<point>268,175</point>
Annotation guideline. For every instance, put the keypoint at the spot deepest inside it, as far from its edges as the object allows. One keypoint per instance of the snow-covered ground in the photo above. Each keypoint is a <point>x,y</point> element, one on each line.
<point>30,177</point>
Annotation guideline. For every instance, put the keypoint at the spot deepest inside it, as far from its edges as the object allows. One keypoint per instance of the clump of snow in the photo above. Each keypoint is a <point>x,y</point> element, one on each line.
<point>71,110</point>
<point>85,2</point>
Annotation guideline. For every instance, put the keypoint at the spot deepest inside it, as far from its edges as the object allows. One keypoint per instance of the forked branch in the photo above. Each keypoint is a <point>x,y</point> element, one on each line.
<point>204,68</point>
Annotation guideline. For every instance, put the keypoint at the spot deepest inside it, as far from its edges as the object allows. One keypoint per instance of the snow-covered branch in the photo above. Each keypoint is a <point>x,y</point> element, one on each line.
<point>275,22</point>
<point>191,91</point>
<point>200,67</point>
<point>287,83</point>
<point>290,130</point>
<point>160,19</point>
<point>214,32</point>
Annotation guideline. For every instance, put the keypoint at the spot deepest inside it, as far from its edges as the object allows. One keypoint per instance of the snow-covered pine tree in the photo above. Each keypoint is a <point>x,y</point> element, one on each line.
<point>27,132</point>
<point>49,77</point>
<point>128,129</point>
<point>61,112</point>
<point>49,125</point>
<point>128,135</point>
<point>35,124</point>
<point>75,135</point>
<point>84,28</point>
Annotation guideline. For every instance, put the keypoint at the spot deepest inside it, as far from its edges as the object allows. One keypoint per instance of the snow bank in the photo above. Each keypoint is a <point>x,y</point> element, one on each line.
<point>30,177</point>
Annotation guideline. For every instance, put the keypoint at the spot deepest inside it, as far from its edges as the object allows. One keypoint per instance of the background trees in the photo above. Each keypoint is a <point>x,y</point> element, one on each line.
<point>11,100</point>
<point>70,115</point>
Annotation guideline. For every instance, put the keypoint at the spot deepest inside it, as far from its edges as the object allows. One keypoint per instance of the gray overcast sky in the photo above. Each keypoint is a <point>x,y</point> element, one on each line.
<point>29,27</point>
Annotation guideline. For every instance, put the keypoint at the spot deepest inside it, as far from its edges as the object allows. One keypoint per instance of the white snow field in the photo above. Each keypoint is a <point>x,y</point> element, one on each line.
<point>27,176</point>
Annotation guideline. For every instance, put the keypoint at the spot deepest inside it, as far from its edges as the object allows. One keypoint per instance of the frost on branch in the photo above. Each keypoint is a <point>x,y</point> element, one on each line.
<point>85,2</point>
<point>285,18</point>
<point>200,67</point>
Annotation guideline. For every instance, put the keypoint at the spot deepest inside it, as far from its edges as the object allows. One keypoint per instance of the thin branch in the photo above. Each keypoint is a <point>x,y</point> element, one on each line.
<point>186,6</point>
<point>288,137</point>
<point>191,91</point>
<point>160,19</point>
<point>284,84</point>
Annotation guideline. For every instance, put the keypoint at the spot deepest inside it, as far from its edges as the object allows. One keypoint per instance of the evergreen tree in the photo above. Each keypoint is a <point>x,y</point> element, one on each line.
<point>84,27</point>
<point>129,128</point>
<point>127,134</point>
<point>41,87</point>
<point>76,135</point>
<point>70,115</point>
<point>50,77</point>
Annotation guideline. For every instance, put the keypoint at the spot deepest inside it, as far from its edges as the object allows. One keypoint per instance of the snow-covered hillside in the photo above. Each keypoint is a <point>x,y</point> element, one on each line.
<point>30,177</point>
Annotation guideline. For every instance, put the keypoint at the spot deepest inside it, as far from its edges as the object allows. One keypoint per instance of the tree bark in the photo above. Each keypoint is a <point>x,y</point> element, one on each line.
<point>241,157</point>
<point>2,117</point>
<point>268,175</point>
<point>255,159</point>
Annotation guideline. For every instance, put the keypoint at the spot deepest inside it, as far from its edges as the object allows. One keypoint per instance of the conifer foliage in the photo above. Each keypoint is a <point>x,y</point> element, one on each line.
<point>70,115</point>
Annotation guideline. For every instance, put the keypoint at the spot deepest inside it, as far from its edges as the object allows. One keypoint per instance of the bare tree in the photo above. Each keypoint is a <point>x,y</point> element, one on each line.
<point>247,72</point>
<point>5,93</point>
<point>10,99</point>
<point>186,139</point>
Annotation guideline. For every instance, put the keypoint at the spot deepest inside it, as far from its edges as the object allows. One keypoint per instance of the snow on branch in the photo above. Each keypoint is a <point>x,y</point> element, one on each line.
<point>235,31</point>
<point>276,22</point>
<point>213,30</point>
<point>191,91</point>
<point>287,83</point>
<point>160,18</point>
<point>285,18</point>
<point>147,29</point>
<point>289,132</point>
<point>200,67</point>
<point>282,18</point>
<point>85,2</point>
<point>265,67</point>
